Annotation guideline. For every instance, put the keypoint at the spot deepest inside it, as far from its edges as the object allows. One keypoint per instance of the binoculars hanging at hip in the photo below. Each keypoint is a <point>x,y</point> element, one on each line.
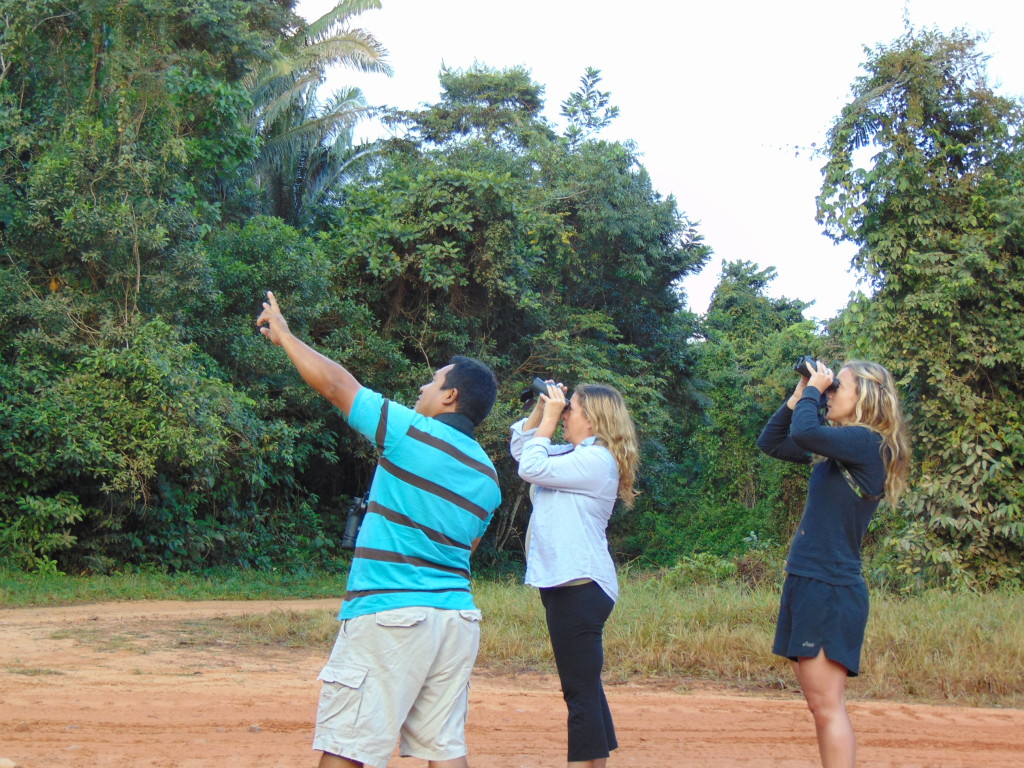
<point>356,513</point>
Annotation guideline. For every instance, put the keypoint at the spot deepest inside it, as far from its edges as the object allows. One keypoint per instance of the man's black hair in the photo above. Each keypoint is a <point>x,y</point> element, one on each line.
<point>478,389</point>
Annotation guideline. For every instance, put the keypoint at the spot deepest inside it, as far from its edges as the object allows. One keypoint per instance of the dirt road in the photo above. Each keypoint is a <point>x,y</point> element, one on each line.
<point>139,692</point>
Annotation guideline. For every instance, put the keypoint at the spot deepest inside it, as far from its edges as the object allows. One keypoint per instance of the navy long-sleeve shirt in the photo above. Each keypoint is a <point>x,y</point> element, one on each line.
<point>827,543</point>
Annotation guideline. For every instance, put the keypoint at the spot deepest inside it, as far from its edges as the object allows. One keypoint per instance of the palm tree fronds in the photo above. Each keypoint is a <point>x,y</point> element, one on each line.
<point>306,145</point>
<point>356,49</point>
<point>337,16</point>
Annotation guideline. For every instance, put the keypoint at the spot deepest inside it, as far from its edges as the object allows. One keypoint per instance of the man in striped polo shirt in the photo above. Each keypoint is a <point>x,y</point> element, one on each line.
<point>409,627</point>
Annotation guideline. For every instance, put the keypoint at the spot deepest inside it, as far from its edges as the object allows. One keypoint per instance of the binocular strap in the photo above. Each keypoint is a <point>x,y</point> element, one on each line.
<point>853,483</point>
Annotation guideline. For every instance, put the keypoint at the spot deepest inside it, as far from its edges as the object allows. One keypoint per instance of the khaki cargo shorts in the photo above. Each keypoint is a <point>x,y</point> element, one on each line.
<point>398,674</point>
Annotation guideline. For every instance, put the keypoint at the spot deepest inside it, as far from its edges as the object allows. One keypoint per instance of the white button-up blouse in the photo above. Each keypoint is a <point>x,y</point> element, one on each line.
<point>575,492</point>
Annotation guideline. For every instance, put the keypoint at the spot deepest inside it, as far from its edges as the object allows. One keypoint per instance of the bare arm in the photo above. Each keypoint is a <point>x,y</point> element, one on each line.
<point>324,375</point>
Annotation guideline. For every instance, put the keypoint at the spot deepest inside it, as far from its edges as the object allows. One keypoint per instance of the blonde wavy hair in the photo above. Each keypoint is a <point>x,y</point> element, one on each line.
<point>605,409</point>
<point>878,409</point>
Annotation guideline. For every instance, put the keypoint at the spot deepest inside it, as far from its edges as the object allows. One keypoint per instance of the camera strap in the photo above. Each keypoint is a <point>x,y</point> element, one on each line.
<point>853,483</point>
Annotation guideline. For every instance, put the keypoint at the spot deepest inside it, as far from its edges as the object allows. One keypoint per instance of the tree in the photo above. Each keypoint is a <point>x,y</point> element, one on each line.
<point>742,314</point>
<point>496,108</point>
<point>744,364</point>
<point>588,110</point>
<point>306,142</point>
<point>937,214</point>
<point>483,231</point>
<point>125,131</point>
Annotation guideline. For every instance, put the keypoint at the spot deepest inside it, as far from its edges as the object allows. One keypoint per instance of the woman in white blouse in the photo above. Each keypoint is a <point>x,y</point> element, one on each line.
<point>567,557</point>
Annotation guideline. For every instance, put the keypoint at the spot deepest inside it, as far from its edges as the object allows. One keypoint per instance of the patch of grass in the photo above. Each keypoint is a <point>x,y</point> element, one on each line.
<point>966,649</point>
<point>19,589</point>
<point>960,648</point>
<point>513,635</point>
<point>957,647</point>
<point>17,668</point>
<point>715,633</point>
<point>288,629</point>
<point>103,640</point>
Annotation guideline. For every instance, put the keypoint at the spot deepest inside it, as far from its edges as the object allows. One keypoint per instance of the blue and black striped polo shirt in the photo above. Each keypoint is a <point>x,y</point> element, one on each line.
<point>433,494</point>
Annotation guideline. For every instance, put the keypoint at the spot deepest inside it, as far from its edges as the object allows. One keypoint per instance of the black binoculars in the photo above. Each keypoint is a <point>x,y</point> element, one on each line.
<point>537,388</point>
<point>807,366</point>
<point>356,513</point>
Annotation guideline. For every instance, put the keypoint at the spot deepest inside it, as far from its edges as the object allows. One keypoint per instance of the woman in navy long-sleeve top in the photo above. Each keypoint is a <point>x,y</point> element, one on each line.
<point>824,606</point>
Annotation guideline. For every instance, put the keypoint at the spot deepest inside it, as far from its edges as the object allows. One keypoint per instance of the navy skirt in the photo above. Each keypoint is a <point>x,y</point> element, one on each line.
<point>816,616</point>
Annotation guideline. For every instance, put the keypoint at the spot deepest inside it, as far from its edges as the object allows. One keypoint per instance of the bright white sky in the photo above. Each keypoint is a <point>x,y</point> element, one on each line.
<point>718,97</point>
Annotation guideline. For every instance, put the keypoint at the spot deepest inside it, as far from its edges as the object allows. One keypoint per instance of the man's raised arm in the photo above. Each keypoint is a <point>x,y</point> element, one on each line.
<point>324,375</point>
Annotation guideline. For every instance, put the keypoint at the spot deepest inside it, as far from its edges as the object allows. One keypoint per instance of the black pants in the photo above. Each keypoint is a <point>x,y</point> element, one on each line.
<point>576,617</point>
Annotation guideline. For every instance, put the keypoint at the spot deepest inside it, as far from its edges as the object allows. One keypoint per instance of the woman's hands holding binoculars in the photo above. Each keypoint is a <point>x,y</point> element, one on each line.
<point>551,402</point>
<point>813,373</point>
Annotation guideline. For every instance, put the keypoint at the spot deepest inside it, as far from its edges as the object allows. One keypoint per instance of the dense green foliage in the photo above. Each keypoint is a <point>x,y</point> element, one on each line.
<point>163,164</point>
<point>734,492</point>
<point>306,141</point>
<point>143,419</point>
<point>482,231</point>
<point>124,439</point>
<point>937,213</point>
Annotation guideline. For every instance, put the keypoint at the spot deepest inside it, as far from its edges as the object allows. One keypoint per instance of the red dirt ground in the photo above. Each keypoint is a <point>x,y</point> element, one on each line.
<point>148,695</point>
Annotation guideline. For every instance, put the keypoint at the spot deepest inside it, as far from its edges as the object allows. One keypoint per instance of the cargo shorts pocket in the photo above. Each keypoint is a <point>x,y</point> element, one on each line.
<point>340,694</point>
<point>401,617</point>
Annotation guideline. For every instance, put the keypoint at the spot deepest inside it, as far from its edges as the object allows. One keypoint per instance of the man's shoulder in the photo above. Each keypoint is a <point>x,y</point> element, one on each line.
<point>445,432</point>
<point>373,413</point>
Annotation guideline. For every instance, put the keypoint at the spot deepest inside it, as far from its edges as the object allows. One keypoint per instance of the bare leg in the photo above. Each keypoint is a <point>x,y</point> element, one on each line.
<point>327,760</point>
<point>823,683</point>
<point>600,763</point>
<point>458,762</point>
